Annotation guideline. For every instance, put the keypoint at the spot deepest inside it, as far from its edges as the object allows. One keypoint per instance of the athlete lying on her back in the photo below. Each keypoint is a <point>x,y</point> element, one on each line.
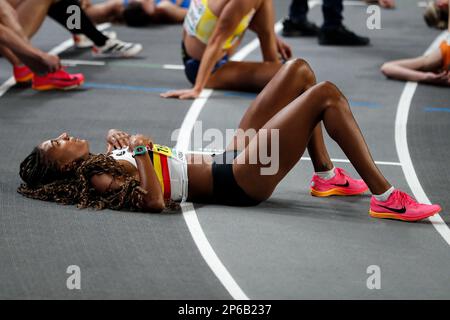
<point>432,68</point>
<point>137,13</point>
<point>140,175</point>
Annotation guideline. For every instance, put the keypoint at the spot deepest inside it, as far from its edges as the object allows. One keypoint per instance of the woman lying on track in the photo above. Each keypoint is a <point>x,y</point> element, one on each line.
<point>432,68</point>
<point>213,29</point>
<point>136,174</point>
<point>137,13</point>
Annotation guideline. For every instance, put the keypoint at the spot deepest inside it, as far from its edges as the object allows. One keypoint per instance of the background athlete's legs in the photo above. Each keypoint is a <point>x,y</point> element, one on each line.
<point>296,122</point>
<point>31,14</point>
<point>167,12</point>
<point>109,11</point>
<point>277,95</point>
<point>10,19</point>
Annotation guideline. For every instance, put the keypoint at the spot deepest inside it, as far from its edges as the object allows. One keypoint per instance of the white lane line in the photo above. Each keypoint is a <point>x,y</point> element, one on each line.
<point>73,63</point>
<point>189,214</point>
<point>173,66</point>
<point>209,254</point>
<point>7,85</point>
<point>383,163</point>
<point>100,63</point>
<point>422,4</point>
<point>401,143</point>
<point>55,51</point>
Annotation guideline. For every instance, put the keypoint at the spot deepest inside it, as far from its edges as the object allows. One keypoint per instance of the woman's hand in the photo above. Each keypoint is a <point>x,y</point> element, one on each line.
<point>139,140</point>
<point>182,94</point>
<point>117,139</point>
<point>441,79</point>
<point>284,49</point>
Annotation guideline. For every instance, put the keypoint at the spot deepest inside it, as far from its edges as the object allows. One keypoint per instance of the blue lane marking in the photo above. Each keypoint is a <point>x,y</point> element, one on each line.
<point>95,85</point>
<point>124,87</point>
<point>246,95</point>
<point>431,109</point>
<point>240,94</point>
<point>364,104</point>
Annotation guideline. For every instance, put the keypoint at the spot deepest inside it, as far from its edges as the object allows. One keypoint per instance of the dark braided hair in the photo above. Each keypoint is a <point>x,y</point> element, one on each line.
<point>44,181</point>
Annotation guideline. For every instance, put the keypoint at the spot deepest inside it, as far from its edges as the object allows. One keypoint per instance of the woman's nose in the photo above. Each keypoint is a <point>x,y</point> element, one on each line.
<point>64,136</point>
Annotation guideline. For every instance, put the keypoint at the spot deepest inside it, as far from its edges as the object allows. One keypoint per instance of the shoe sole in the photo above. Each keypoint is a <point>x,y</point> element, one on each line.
<point>25,79</point>
<point>395,216</point>
<point>54,87</point>
<point>336,192</point>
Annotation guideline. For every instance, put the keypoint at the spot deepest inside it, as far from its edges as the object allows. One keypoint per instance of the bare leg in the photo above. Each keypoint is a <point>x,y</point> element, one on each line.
<point>11,57</point>
<point>31,14</point>
<point>167,12</point>
<point>243,76</point>
<point>110,11</point>
<point>294,78</point>
<point>296,122</point>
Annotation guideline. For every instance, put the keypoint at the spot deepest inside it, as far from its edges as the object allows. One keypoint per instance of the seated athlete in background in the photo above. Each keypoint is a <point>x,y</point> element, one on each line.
<point>29,63</point>
<point>137,13</point>
<point>436,14</point>
<point>213,29</point>
<point>433,68</point>
<point>140,175</point>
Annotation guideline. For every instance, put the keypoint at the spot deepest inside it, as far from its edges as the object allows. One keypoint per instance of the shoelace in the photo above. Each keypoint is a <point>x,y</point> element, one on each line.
<point>405,199</point>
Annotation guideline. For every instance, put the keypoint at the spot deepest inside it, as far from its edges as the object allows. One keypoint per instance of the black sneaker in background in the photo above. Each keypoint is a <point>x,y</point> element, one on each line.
<point>300,29</point>
<point>341,36</point>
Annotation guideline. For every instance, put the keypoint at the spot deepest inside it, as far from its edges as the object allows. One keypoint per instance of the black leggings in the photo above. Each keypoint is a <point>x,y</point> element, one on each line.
<point>58,11</point>
<point>225,188</point>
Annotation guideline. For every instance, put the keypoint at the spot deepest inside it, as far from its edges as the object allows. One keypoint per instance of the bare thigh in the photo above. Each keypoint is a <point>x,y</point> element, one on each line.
<point>243,76</point>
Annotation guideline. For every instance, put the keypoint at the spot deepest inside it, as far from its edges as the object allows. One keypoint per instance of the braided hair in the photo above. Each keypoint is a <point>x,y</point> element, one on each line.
<point>45,181</point>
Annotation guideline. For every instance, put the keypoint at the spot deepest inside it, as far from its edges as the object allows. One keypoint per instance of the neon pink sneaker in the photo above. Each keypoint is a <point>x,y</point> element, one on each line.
<point>22,74</point>
<point>340,185</point>
<point>401,206</point>
<point>59,80</point>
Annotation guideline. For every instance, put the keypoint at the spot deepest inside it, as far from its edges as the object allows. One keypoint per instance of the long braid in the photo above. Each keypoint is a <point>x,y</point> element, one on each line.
<point>75,187</point>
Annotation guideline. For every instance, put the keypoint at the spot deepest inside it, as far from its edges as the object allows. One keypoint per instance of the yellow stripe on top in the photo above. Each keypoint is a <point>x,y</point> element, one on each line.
<point>200,22</point>
<point>158,169</point>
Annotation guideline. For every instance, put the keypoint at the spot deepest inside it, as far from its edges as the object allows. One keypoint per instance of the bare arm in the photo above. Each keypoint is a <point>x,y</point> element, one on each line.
<point>415,69</point>
<point>233,12</point>
<point>38,61</point>
<point>153,200</point>
<point>262,24</point>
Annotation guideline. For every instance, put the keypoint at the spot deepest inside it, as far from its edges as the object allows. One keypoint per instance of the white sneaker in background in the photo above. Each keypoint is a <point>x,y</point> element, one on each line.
<point>115,48</point>
<point>83,42</point>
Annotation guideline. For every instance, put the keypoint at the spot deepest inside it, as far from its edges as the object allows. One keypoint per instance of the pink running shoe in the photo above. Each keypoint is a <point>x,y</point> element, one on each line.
<point>22,74</point>
<point>400,206</point>
<point>59,80</point>
<point>340,185</point>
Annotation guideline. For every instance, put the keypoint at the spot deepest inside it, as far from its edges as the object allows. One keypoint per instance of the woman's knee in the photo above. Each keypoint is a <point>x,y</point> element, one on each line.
<point>329,92</point>
<point>302,70</point>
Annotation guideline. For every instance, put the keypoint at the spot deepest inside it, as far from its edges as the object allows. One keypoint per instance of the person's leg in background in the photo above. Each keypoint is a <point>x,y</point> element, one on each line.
<point>297,23</point>
<point>333,32</point>
<point>30,64</point>
<point>104,46</point>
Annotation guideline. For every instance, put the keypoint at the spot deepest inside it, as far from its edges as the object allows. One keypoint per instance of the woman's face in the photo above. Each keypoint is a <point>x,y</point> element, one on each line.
<point>65,149</point>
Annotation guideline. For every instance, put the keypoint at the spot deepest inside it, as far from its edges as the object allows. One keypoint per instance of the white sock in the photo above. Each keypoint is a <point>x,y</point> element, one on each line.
<point>326,175</point>
<point>384,196</point>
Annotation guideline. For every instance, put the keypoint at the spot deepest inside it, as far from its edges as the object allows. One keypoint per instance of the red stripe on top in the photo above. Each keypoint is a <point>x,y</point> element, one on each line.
<point>166,176</point>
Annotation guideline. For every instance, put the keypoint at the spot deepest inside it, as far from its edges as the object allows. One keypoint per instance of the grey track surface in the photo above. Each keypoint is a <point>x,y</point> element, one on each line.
<point>295,246</point>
